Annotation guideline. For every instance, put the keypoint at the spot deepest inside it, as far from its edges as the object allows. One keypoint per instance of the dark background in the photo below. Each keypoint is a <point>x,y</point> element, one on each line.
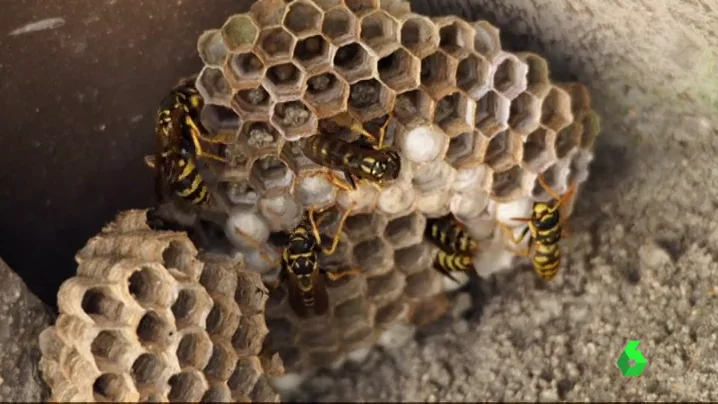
<point>77,110</point>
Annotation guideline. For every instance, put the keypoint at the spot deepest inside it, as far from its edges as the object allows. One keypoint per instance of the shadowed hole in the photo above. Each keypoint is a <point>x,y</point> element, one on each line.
<point>337,23</point>
<point>152,329</point>
<point>109,387</point>
<point>101,306</point>
<point>370,254</point>
<point>184,305</point>
<point>185,387</point>
<point>146,369</point>
<point>146,286</point>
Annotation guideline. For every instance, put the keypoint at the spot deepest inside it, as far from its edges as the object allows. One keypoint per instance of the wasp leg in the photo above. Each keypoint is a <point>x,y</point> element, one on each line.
<point>199,151</point>
<point>214,140</point>
<point>335,241</point>
<point>382,132</point>
<point>334,275</point>
<point>347,185</point>
<point>510,234</point>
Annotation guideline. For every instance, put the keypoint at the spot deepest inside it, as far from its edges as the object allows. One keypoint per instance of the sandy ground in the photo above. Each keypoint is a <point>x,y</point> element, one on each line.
<point>640,265</point>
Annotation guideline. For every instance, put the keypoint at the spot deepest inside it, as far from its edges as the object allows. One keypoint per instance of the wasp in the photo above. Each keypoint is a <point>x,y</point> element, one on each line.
<point>545,227</point>
<point>179,134</point>
<point>299,267</point>
<point>446,263</point>
<point>456,246</point>
<point>359,159</point>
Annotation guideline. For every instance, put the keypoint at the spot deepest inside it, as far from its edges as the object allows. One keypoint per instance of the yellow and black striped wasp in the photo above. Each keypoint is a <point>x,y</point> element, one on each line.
<point>545,227</point>
<point>359,159</point>
<point>179,134</point>
<point>456,246</point>
<point>299,267</point>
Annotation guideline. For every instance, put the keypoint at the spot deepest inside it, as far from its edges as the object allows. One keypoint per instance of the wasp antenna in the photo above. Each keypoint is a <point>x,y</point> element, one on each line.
<point>548,188</point>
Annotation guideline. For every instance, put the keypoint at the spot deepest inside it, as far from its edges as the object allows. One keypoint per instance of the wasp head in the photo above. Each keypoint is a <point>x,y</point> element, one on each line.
<point>544,216</point>
<point>388,168</point>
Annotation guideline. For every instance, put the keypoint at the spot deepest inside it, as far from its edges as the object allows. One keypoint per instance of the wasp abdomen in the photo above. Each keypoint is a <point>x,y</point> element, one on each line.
<point>547,260</point>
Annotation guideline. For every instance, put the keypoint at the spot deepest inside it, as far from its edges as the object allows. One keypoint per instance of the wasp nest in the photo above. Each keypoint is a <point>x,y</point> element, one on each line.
<point>145,319</point>
<point>475,125</point>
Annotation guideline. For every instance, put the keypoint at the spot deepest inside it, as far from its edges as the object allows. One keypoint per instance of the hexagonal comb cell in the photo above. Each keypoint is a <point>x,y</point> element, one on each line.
<point>154,330</point>
<point>211,48</point>
<point>419,35</point>
<point>102,306</point>
<point>194,349</point>
<point>591,124</point>
<point>510,76</point>
<point>269,173</point>
<point>110,346</point>
<point>568,140</point>
<point>406,230</point>
<point>525,113</point>
<point>326,94</point>
<point>372,256</point>
<point>146,369</point>
<point>260,137</point>
<point>268,12</point>
<point>370,99</point>
<point>438,74</point>
<point>148,287</point>
<point>399,70</point>
<point>339,25</point>
<point>556,110</point>
<point>378,31</point>
<point>275,45</point>
<point>303,18</point>
<point>294,120</point>
<point>213,86</point>
<point>455,36</point>
<point>252,103</point>
<point>506,185</point>
<point>413,108</point>
<point>467,148</point>
<point>362,7</point>
<point>539,150</point>
<point>473,75</point>
<point>187,386</point>
<point>486,40</point>
<point>455,114</point>
<point>111,387</point>
<point>353,62</point>
<point>240,33</point>
<point>313,53</point>
<point>191,307</point>
<point>284,81</point>
<point>492,113</point>
<point>221,122</point>
<point>538,75</point>
<point>244,70</point>
<point>504,151</point>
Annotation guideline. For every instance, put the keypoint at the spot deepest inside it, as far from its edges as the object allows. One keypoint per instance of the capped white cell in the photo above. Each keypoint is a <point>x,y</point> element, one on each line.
<point>423,143</point>
<point>246,228</point>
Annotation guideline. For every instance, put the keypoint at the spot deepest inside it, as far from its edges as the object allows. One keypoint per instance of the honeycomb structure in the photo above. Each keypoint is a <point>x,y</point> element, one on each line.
<point>474,124</point>
<point>146,319</point>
